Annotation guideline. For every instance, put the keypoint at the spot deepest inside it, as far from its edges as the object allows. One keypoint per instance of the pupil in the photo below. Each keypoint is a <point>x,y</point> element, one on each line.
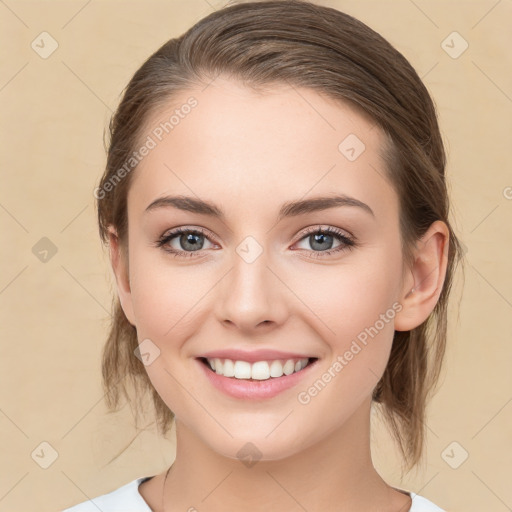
<point>319,238</point>
<point>192,240</point>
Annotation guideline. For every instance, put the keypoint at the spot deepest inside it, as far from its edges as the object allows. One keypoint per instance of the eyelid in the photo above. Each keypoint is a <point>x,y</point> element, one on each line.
<point>315,228</point>
<point>346,239</point>
<point>190,229</point>
<point>171,234</point>
<point>307,231</point>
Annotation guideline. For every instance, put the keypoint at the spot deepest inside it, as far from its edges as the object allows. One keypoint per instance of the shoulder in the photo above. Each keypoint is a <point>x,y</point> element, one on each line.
<point>124,499</point>
<point>421,504</point>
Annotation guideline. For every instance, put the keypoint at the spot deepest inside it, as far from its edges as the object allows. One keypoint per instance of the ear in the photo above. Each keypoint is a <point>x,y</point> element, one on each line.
<point>119,262</point>
<point>424,280</point>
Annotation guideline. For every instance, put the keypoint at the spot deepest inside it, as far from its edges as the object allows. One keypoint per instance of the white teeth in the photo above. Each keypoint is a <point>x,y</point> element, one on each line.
<point>261,370</point>
<point>289,367</point>
<point>276,369</point>
<point>242,370</point>
<point>228,369</point>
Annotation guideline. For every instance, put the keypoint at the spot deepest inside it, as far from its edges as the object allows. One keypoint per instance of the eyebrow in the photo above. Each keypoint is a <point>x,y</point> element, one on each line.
<point>288,209</point>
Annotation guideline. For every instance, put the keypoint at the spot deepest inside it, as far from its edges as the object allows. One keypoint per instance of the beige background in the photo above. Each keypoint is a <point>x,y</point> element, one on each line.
<point>54,313</point>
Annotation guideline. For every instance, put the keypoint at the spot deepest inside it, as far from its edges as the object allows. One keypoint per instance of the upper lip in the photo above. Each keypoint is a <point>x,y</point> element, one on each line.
<point>253,356</point>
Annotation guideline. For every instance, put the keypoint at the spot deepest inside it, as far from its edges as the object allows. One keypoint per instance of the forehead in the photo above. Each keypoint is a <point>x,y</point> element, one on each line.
<point>244,148</point>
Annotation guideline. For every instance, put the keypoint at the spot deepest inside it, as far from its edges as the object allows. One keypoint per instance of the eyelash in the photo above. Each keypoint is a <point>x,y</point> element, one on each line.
<point>347,242</point>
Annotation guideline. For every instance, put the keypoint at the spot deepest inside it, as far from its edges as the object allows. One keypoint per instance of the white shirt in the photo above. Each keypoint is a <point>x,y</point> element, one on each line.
<point>128,499</point>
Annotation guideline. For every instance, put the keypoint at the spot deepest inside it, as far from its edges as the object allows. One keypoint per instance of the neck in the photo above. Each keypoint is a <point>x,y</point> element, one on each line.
<point>338,469</point>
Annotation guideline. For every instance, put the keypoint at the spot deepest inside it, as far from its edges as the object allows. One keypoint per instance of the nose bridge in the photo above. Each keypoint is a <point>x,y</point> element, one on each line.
<point>251,293</point>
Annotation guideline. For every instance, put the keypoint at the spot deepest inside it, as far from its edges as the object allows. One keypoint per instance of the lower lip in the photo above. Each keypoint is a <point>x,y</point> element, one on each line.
<point>254,389</point>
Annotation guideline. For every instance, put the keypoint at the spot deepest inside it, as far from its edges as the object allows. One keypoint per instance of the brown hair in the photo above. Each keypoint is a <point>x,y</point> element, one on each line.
<point>297,42</point>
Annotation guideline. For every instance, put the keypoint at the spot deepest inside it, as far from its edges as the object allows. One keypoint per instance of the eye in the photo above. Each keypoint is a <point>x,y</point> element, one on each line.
<point>187,241</point>
<point>322,240</point>
<point>191,240</point>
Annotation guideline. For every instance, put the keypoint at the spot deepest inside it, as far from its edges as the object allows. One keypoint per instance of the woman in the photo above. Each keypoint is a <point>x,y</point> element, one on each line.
<point>276,211</point>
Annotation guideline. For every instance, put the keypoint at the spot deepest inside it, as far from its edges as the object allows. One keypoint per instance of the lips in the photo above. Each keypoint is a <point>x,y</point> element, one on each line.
<point>248,389</point>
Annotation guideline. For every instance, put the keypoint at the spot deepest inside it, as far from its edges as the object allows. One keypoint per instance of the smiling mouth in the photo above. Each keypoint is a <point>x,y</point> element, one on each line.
<point>260,371</point>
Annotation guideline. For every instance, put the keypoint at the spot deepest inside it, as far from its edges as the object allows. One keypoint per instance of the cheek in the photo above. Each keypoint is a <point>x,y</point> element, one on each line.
<point>167,296</point>
<point>361,313</point>
<point>356,294</point>
<point>359,308</point>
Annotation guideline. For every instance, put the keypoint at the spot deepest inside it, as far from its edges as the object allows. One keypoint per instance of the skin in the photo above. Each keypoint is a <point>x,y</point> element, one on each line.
<point>249,153</point>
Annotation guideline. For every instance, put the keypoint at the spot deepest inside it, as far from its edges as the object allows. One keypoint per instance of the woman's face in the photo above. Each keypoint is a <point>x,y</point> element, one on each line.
<point>257,277</point>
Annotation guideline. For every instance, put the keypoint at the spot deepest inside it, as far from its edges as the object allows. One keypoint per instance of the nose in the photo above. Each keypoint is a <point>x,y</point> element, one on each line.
<point>251,297</point>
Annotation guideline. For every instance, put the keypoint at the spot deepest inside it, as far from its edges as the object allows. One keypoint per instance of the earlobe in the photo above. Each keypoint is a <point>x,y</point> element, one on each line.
<point>118,260</point>
<point>425,278</point>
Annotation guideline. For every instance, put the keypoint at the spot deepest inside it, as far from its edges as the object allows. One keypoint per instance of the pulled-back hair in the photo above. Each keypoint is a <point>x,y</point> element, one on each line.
<point>295,42</point>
